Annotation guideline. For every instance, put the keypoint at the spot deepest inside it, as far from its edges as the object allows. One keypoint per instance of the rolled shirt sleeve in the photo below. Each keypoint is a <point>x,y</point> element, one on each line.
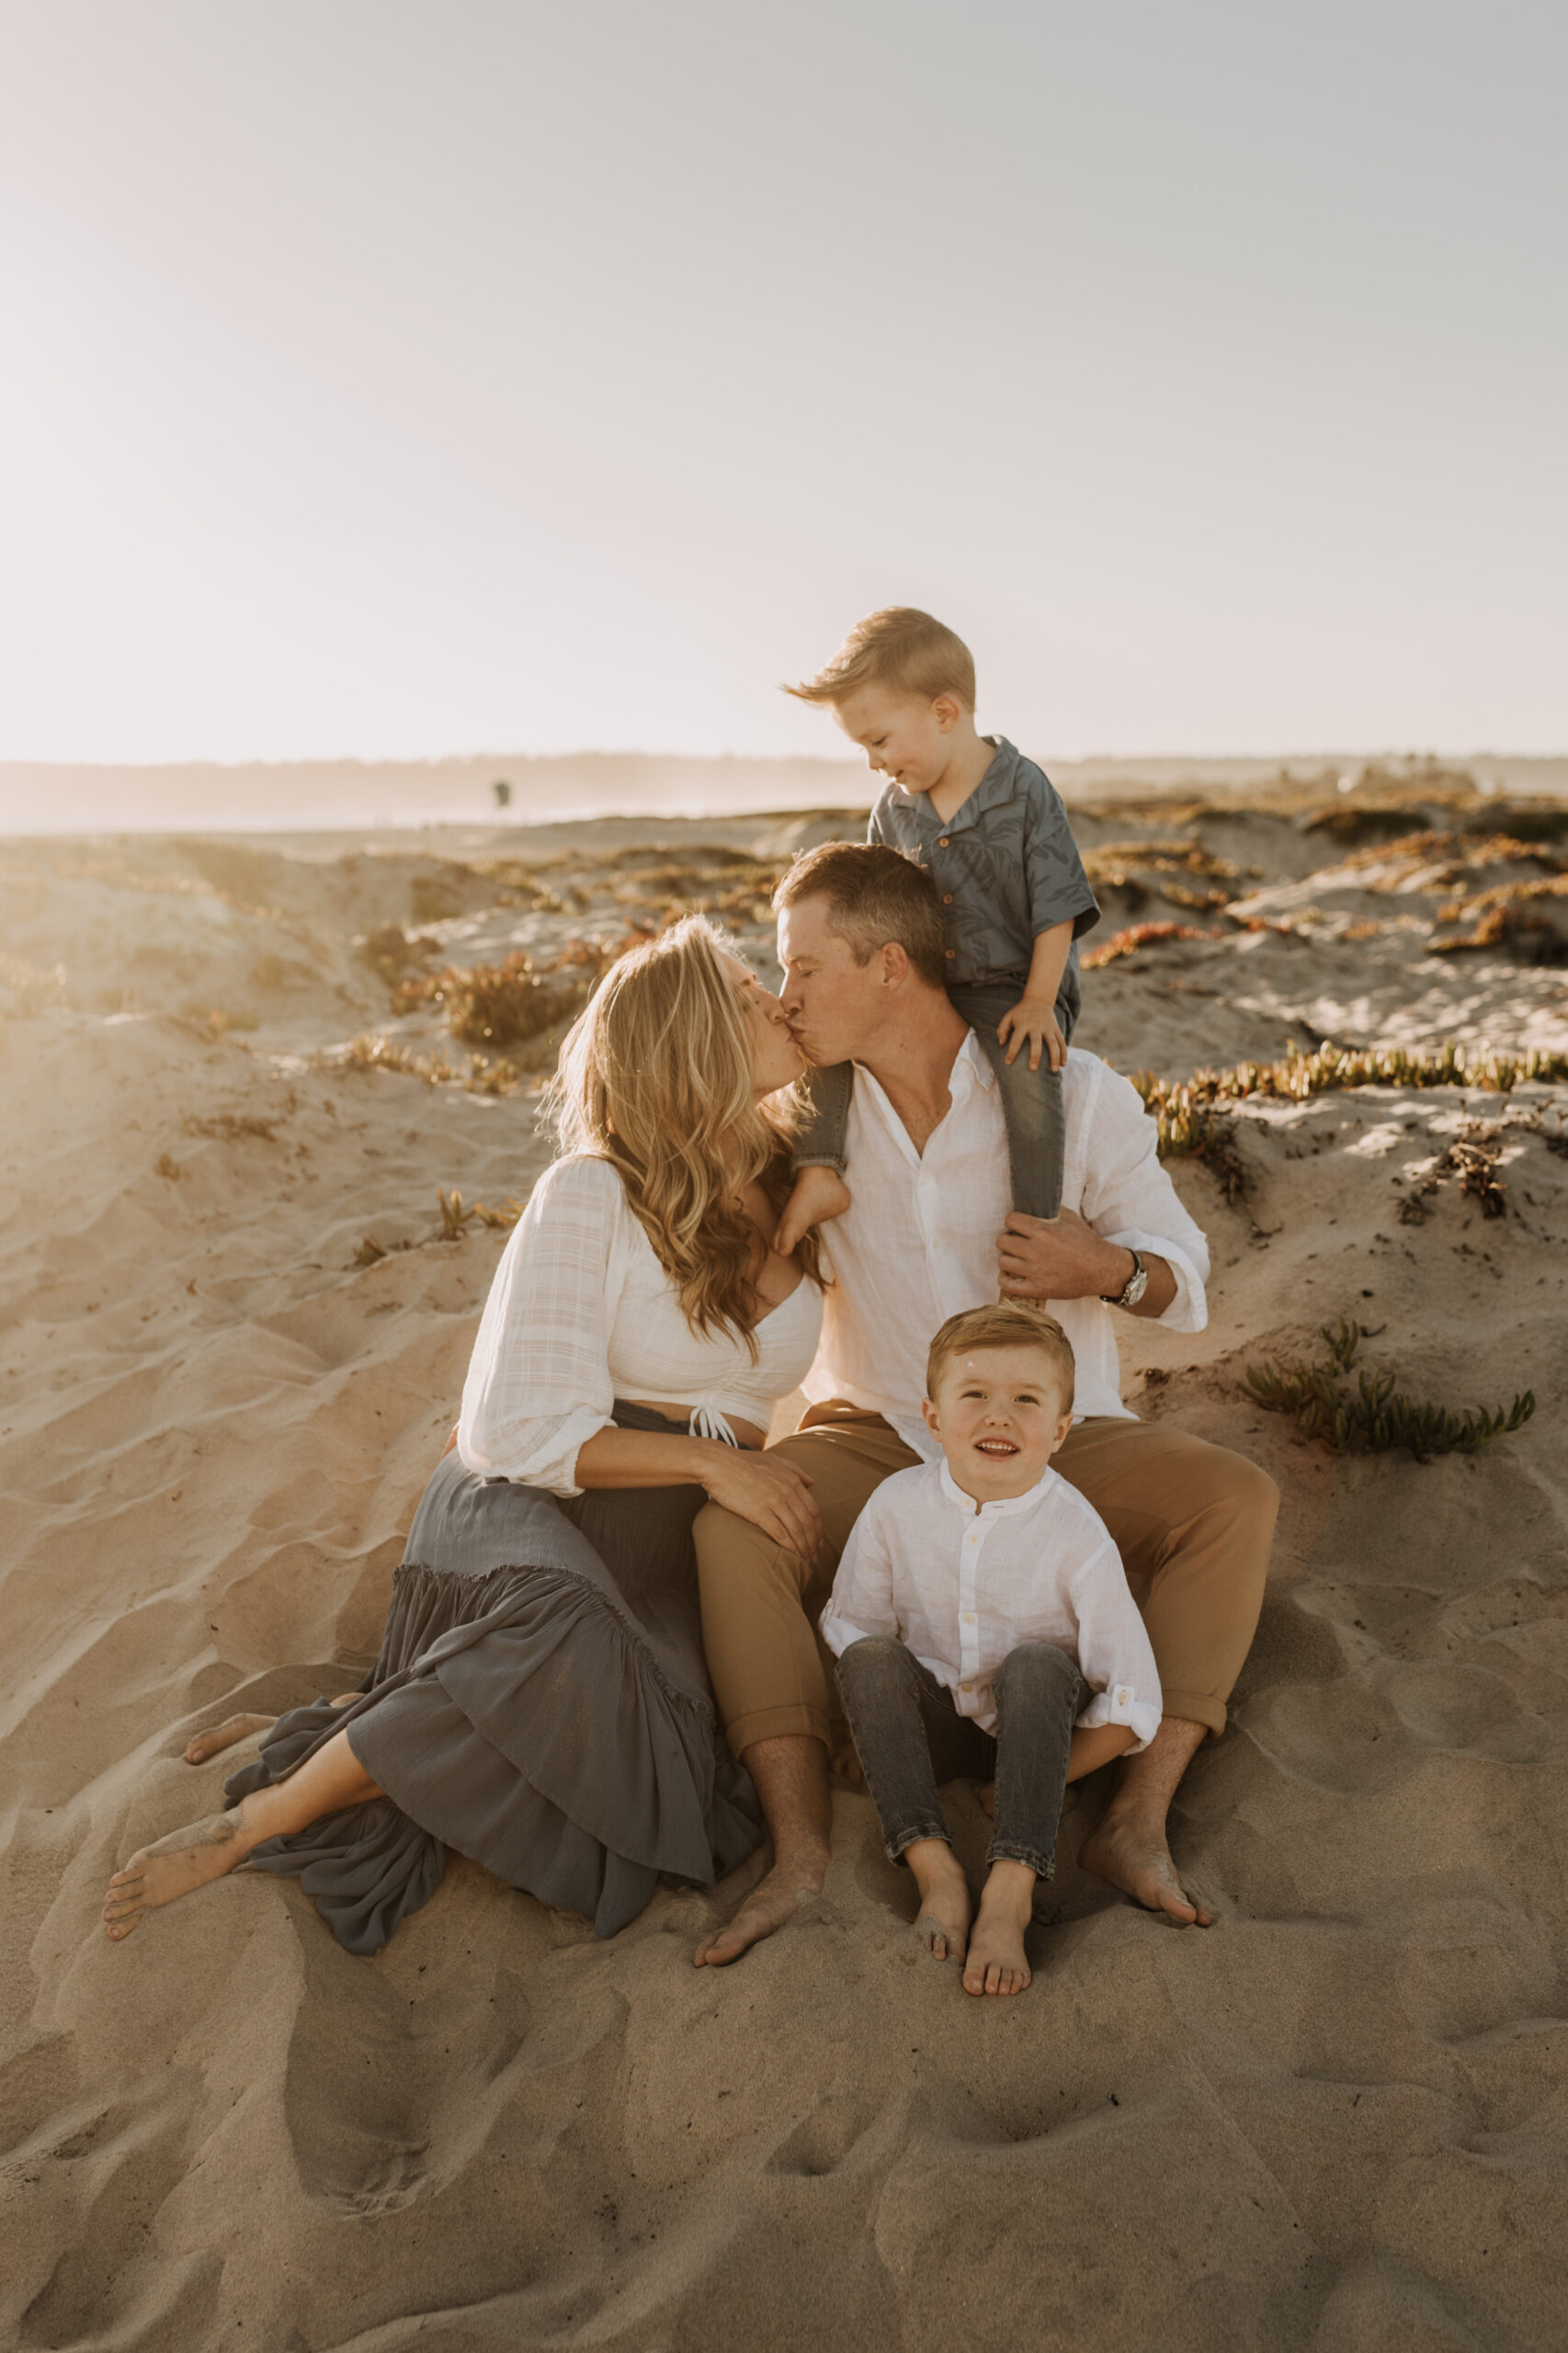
<point>539,1385</point>
<point>861,1604</point>
<point>1114,1654</point>
<point>1128,1198</point>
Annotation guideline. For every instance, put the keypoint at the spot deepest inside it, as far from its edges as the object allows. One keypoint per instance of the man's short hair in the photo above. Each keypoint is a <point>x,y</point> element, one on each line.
<point>899,647</point>
<point>1013,1324</point>
<point>874,894</point>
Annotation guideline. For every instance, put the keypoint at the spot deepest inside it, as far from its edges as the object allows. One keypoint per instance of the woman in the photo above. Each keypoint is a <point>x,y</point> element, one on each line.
<point>540,1701</point>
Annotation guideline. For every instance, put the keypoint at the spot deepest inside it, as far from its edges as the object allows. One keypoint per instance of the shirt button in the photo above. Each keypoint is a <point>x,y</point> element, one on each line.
<point>969,1618</point>
<point>952,952</point>
<point>943,842</point>
<point>946,898</point>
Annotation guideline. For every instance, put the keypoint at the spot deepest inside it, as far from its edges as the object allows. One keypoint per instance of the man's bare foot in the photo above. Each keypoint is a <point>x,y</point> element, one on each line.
<point>174,1867</point>
<point>997,1963</point>
<point>1132,1854</point>
<point>819,1194</point>
<point>942,1923</point>
<point>772,1904</point>
<point>225,1735</point>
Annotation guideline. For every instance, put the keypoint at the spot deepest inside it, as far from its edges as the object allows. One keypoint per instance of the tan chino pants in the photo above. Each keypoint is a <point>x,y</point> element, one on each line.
<point>1193,1523</point>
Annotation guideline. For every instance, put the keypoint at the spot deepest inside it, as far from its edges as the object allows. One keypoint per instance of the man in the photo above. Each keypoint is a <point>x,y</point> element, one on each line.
<point>928,1232</point>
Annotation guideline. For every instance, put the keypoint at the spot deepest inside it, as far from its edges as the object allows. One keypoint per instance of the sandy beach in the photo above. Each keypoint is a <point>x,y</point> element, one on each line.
<point>245,1080</point>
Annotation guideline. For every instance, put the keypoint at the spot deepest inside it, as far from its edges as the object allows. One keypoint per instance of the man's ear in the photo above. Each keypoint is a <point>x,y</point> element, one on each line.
<point>894,963</point>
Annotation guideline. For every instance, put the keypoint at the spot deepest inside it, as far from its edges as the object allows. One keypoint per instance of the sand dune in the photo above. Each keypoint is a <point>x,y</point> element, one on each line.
<point>1339,2120</point>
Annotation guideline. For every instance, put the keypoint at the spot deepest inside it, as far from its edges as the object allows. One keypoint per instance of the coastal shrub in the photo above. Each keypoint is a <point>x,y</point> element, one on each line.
<point>1212,1139</point>
<point>374,1051</point>
<point>457,1214</point>
<point>1142,935</point>
<point>1179,1104</point>
<point>1136,868</point>
<point>1372,1418</point>
<point>1450,855</point>
<point>1511,914</point>
<point>498,1005</point>
<point>1351,822</point>
<point>391,953</point>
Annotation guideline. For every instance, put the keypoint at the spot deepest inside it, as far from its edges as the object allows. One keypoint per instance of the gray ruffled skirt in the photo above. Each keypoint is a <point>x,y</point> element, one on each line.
<point>539,1703</point>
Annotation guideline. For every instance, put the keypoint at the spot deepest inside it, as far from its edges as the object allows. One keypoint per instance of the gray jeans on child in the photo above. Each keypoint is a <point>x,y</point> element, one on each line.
<point>1032,1101</point>
<point>909,1734</point>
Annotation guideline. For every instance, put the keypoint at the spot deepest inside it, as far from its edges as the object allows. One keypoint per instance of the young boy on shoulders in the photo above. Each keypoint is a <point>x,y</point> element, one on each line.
<point>992,831</point>
<point>982,1621</point>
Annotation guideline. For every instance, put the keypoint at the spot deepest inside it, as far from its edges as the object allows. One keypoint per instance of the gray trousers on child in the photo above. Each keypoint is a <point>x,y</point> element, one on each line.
<point>1032,1101</point>
<point>908,1734</point>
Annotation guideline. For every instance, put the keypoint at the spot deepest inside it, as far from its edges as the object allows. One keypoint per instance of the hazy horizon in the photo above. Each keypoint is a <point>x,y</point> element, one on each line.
<point>367,797</point>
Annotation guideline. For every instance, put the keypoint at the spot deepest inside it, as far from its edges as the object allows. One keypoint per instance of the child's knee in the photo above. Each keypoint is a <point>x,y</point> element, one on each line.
<point>877,1657</point>
<point>1037,1669</point>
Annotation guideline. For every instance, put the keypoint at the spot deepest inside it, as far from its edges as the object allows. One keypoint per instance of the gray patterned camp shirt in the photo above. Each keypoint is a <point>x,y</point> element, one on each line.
<point>1007,867</point>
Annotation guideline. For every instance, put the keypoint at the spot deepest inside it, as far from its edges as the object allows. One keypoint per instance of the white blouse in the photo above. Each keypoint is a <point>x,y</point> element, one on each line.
<point>581,1312</point>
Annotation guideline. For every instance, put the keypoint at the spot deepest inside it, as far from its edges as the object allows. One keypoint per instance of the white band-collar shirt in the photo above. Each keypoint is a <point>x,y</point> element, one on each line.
<point>961,1583</point>
<point>918,1241</point>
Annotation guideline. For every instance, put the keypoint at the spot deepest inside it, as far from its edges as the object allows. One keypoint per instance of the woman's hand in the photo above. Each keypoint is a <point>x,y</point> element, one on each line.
<point>768,1491</point>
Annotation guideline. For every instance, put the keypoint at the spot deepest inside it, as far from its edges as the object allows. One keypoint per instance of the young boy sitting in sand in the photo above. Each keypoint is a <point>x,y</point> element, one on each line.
<point>993,834</point>
<point>977,1600</point>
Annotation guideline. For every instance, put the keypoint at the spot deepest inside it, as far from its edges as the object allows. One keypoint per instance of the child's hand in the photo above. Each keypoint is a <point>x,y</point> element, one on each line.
<point>819,1194</point>
<point>1032,1020</point>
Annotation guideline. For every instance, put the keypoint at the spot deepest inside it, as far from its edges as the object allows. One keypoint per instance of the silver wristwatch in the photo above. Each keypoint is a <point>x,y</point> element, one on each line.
<point>1137,1284</point>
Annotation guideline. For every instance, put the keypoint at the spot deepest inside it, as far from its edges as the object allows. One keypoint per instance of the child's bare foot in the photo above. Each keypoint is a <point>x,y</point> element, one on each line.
<point>987,1793</point>
<point>819,1194</point>
<point>174,1867</point>
<point>997,1963</point>
<point>942,1923</point>
<point>224,1735</point>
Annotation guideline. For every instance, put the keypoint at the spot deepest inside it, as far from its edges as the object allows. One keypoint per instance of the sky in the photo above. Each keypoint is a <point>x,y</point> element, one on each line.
<point>399,378</point>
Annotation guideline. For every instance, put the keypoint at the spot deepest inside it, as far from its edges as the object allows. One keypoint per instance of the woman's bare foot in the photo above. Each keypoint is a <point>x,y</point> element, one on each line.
<point>237,1728</point>
<point>225,1735</point>
<point>942,1921</point>
<point>176,1866</point>
<point>997,1963</point>
<point>819,1194</point>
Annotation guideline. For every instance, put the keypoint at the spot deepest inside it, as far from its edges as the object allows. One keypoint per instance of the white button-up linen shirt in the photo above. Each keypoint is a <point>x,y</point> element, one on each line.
<point>918,1241</point>
<point>961,1583</point>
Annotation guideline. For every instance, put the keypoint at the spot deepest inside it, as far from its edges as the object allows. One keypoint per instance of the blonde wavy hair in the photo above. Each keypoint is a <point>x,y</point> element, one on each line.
<point>655,1076</point>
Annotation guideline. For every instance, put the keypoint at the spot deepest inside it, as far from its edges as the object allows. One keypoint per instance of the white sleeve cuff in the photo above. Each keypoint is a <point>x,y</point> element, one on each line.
<point>1119,1703</point>
<point>539,1452</point>
<point>1188,1311</point>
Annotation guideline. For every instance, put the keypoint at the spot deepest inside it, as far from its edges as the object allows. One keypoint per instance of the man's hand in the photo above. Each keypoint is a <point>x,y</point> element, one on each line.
<point>1041,1259</point>
<point>1032,1022</point>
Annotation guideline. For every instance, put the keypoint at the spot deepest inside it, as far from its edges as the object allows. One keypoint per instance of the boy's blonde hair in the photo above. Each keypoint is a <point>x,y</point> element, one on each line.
<point>1011,1325</point>
<point>898,647</point>
<point>655,1076</point>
